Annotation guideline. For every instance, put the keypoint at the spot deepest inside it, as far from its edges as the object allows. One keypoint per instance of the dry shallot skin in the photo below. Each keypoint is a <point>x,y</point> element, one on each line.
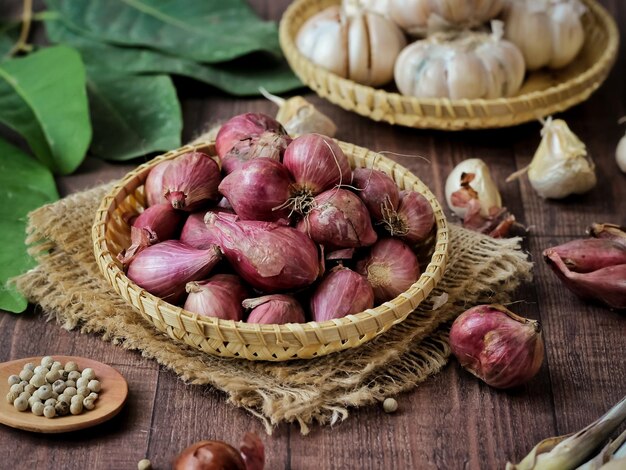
<point>342,292</point>
<point>196,234</point>
<point>269,256</point>
<point>155,224</point>
<point>590,254</point>
<point>258,189</point>
<point>317,164</point>
<point>497,346</point>
<point>153,187</point>
<point>414,219</point>
<point>338,219</point>
<point>268,145</point>
<point>219,296</point>
<point>391,268</point>
<point>164,269</point>
<point>605,285</point>
<point>190,182</point>
<point>274,309</point>
<point>377,190</point>
<point>210,455</point>
<point>243,127</point>
<point>612,232</point>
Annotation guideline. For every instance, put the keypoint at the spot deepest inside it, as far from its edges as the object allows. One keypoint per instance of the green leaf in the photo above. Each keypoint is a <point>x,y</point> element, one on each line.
<point>43,98</point>
<point>9,32</point>
<point>25,185</point>
<point>133,115</point>
<point>205,31</point>
<point>242,77</point>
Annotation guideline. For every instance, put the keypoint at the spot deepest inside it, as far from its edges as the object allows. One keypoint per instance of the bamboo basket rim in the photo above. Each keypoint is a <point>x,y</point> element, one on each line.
<point>113,273</point>
<point>553,99</point>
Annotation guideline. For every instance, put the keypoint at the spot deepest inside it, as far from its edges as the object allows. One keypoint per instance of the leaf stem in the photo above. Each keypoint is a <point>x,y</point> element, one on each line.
<point>27,16</point>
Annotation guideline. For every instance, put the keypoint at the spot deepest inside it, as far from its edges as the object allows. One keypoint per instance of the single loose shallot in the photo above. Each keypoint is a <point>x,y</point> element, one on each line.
<point>338,219</point>
<point>378,191</point>
<point>497,346</point>
<point>195,232</point>
<point>317,164</point>
<point>155,224</point>
<point>342,292</point>
<point>155,194</point>
<point>268,145</point>
<point>258,189</point>
<point>414,219</point>
<point>269,256</point>
<point>391,268</point>
<point>191,181</point>
<point>164,269</point>
<point>218,455</point>
<point>274,309</point>
<point>243,127</point>
<point>219,296</point>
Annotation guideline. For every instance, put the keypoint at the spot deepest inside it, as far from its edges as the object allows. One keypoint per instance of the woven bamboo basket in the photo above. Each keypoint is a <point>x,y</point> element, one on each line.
<point>543,93</point>
<point>111,234</point>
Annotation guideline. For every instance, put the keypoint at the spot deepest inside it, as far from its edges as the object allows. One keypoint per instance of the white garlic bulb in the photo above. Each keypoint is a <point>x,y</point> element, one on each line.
<point>561,165</point>
<point>362,46</point>
<point>467,65</point>
<point>548,32</point>
<point>620,154</point>
<point>482,183</point>
<point>420,17</point>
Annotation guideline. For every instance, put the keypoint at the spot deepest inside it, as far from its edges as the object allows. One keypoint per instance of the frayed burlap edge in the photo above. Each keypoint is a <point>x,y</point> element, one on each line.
<point>70,289</point>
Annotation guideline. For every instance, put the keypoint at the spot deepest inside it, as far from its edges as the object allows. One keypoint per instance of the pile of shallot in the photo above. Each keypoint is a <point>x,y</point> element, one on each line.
<point>275,230</point>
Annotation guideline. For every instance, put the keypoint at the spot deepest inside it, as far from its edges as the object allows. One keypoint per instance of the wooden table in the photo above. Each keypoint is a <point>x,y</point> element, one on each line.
<point>451,421</point>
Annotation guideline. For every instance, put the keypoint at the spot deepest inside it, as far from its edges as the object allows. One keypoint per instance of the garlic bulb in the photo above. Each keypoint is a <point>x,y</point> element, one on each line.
<point>481,183</point>
<point>548,32</point>
<point>362,47</point>
<point>561,165</point>
<point>420,17</point>
<point>467,65</point>
<point>620,154</point>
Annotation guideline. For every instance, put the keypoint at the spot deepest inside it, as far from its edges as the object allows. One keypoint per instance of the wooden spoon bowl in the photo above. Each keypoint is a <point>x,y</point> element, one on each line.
<point>109,403</point>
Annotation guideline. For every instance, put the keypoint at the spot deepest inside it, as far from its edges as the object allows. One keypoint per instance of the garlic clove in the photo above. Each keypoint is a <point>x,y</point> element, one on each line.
<point>386,42</point>
<point>620,154</point>
<point>482,184</point>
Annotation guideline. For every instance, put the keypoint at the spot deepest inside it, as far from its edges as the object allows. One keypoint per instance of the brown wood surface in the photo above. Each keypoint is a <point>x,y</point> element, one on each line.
<point>451,421</point>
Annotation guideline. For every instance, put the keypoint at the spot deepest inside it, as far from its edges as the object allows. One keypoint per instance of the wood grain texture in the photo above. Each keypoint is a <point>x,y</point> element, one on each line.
<point>452,421</point>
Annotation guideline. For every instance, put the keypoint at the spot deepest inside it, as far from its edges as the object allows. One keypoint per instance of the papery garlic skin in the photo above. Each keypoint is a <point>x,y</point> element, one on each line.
<point>462,66</point>
<point>549,33</point>
<point>420,17</point>
<point>561,165</point>
<point>620,154</point>
<point>362,47</point>
<point>483,184</point>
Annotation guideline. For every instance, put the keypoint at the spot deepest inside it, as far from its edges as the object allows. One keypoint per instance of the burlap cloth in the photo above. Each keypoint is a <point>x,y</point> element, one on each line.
<point>70,289</point>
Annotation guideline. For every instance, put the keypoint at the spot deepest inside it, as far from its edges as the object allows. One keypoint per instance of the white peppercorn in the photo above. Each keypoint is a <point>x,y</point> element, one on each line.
<point>76,408</point>
<point>88,403</point>
<point>89,373</point>
<point>84,391</point>
<point>64,398</point>
<point>144,464</point>
<point>21,403</point>
<point>30,389</point>
<point>74,375</point>
<point>58,386</point>
<point>11,397</point>
<point>93,396</point>
<point>26,374</point>
<point>50,402</point>
<point>62,408</point>
<point>55,395</point>
<point>14,380</point>
<point>82,382</point>
<point>52,376</point>
<point>29,366</point>
<point>47,361</point>
<point>24,383</point>
<point>25,395</point>
<point>390,405</point>
<point>37,408</point>
<point>70,391</point>
<point>63,374</point>
<point>17,388</point>
<point>71,366</point>
<point>49,412</point>
<point>94,386</point>
<point>70,383</point>
<point>77,398</point>
<point>33,399</point>
<point>56,365</point>
<point>44,392</point>
<point>41,370</point>
<point>38,380</point>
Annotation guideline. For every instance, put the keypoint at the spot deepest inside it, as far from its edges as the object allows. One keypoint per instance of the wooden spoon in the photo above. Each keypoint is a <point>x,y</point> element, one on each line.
<point>109,403</point>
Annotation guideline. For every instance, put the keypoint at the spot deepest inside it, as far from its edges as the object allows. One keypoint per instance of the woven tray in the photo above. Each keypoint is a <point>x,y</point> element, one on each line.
<point>111,233</point>
<point>543,93</point>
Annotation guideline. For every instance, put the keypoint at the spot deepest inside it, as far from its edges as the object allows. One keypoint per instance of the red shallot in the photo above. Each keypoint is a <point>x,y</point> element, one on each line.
<point>342,292</point>
<point>497,346</point>
<point>155,224</point>
<point>242,127</point>
<point>338,219</point>
<point>196,234</point>
<point>391,268</point>
<point>191,181</point>
<point>164,269</point>
<point>414,219</point>
<point>609,231</point>
<point>218,455</point>
<point>269,256</point>
<point>378,191</point>
<point>258,189</point>
<point>219,296</point>
<point>153,187</point>
<point>274,309</point>
<point>268,145</point>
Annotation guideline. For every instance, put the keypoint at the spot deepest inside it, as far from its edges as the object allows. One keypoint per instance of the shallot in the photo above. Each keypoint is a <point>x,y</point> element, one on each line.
<point>156,224</point>
<point>377,190</point>
<point>391,268</point>
<point>191,181</point>
<point>243,127</point>
<point>608,231</point>
<point>218,455</point>
<point>338,219</point>
<point>342,292</point>
<point>195,232</point>
<point>269,256</point>
<point>274,309</point>
<point>164,269</point>
<point>219,296</point>
<point>153,187</point>
<point>258,190</point>
<point>497,346</point>
<point>268,145</point>
<point>413,220</point>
